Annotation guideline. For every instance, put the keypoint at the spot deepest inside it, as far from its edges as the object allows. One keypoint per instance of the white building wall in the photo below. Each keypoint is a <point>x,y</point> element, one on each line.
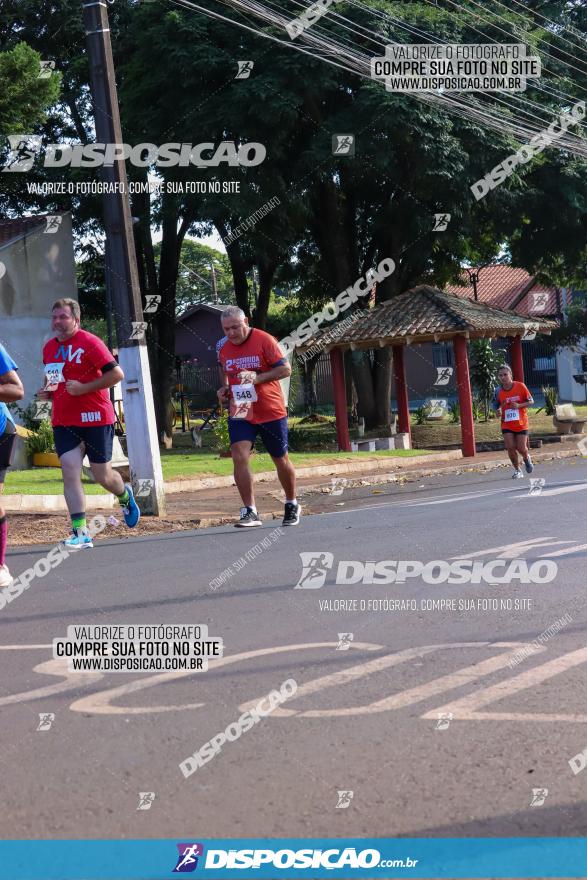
<point>40,268</point>
<point>568,363</point>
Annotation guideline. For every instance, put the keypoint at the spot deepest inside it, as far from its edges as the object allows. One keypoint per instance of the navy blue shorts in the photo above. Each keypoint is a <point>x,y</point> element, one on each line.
<point>98,440</point>
<point>273,434</point>
<point>6,447</point>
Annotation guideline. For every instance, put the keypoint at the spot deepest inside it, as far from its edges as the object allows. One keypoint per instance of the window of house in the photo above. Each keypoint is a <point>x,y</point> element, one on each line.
<point>442,354</point>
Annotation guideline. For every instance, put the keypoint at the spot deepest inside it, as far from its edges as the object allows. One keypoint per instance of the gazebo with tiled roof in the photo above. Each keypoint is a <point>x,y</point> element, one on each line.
<point>425,314</point>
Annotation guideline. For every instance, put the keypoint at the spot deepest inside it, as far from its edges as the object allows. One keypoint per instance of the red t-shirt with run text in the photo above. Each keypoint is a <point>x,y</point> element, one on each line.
<point>259,353</point>
<point>80,357</point>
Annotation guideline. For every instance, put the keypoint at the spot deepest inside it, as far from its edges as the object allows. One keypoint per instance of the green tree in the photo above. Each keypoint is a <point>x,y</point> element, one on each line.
<point>337,215</point>
<point>485,362</point>
<point>195,281</point>
<point>24,98</point>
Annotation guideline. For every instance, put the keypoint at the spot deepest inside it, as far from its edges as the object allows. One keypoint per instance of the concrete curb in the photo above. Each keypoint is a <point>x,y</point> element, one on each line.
<point>348,467</point>
<point>39,503</point>
<point>56,503</point>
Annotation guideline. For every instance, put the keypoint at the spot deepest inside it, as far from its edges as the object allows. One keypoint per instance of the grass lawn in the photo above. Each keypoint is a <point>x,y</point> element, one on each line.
<point>312,444</point>
<point>178,463</point>
<point>183,461</point>
<point>42,481</point>
<point>443,433</point>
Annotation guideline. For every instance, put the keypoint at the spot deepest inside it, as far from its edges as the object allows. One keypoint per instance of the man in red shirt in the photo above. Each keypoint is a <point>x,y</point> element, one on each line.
<point>513,399</point>
<point>79,370</point>
<point>252,364</point>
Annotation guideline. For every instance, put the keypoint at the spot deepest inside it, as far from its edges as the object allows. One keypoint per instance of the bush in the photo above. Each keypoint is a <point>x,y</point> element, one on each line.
<point>421,414</point>
<point>26,415</point>
<point>221,435</point>
<point>454,413</point>
<point>313,438</point>
<point>40,440</point>
<point>484,365</point>
<point>550,400</point>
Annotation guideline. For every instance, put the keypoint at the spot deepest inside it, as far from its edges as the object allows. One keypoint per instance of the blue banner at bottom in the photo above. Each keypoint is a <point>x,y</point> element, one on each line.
<point>524,857</point>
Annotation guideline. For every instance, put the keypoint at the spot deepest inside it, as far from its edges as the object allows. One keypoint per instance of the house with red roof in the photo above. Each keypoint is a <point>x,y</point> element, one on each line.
<point>506,287</point>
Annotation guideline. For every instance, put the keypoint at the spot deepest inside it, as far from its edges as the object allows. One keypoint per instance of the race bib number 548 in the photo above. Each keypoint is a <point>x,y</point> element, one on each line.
<point>244,393</point>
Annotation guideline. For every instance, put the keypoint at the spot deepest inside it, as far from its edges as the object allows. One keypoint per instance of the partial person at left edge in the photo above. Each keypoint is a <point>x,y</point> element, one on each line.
<point>11,390</point>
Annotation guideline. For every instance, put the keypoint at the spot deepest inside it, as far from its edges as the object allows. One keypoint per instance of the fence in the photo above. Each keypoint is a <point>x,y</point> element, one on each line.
<point>201,383</point>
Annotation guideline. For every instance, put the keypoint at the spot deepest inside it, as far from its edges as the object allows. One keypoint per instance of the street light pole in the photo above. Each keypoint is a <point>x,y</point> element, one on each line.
<point>474,278</point>
<point>214,284</point>
<point>137,393</point>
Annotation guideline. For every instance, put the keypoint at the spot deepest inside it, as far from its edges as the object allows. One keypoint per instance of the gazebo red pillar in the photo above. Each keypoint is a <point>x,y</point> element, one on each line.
<point>339,389</point>
<point>516,359</point>
<point>465,398</point>
<point>401,390</point>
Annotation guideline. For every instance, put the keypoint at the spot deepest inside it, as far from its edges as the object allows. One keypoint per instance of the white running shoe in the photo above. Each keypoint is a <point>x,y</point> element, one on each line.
<point>517,475</point>
<point>5,577</point>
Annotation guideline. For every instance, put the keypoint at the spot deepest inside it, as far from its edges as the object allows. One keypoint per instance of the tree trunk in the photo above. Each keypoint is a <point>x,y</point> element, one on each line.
<point>162,349</point>
<point>351,394</point>
<point>308,373</point>
<point>382,381</point>
<point>363,379</point>
<point>239,270</point>
<point>266,274</point>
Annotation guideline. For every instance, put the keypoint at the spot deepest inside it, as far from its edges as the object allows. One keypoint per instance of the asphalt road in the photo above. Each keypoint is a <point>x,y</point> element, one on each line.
<point>365,719</point>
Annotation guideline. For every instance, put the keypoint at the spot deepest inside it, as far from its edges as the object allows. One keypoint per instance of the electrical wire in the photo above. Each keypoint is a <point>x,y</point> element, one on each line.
<point>359,63</point>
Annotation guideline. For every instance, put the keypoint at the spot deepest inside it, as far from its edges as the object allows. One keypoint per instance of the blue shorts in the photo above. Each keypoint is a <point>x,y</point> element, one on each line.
<point>273,434</point>
<point>98,440</point>
<point>6,447</point>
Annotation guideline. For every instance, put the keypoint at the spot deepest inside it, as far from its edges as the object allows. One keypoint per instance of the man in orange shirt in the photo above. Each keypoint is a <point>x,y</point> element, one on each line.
<point>252,365</point>
<point>513,399</point>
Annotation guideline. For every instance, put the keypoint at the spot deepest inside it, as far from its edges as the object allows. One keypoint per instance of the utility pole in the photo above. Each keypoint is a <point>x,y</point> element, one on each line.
<point>214,285</point>
<point>137,393</point>
<point>474,278</point>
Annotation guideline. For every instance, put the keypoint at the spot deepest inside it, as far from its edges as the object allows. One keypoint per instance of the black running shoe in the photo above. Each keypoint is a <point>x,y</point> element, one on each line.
<point>248,519</point>
<point>292,514</point>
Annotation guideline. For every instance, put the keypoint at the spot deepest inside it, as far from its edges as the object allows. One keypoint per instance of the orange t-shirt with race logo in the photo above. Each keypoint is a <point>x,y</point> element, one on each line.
<point>513,419</point>
<point>259,353</point>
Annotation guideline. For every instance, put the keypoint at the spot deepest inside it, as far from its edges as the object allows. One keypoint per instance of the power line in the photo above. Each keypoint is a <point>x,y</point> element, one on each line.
<point>357,62</point>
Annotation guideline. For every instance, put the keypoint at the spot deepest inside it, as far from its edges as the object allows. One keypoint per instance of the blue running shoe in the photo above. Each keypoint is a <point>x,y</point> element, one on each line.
<point>528,465</point>
<point>130,510</point>
<point>79,539</point>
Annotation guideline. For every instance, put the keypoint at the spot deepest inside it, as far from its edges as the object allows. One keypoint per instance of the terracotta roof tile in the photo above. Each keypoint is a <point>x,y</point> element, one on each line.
<point>422,314</point>
<point>500,286</point>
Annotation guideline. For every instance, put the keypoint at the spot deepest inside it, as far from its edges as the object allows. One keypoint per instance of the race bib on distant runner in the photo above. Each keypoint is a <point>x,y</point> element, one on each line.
<point>512,415</point>
<point>53,376</point>
<point>244,393</point>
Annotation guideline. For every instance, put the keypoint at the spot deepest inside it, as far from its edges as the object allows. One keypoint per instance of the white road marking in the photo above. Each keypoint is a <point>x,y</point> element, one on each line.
<point>99,703</point>
<point>406,697</point>
<point>72,681</point>
<point>513,551</point>
<point>463,497</point>
<point>567,550</point>
<point>465,709</point>
<point>560,490</point>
